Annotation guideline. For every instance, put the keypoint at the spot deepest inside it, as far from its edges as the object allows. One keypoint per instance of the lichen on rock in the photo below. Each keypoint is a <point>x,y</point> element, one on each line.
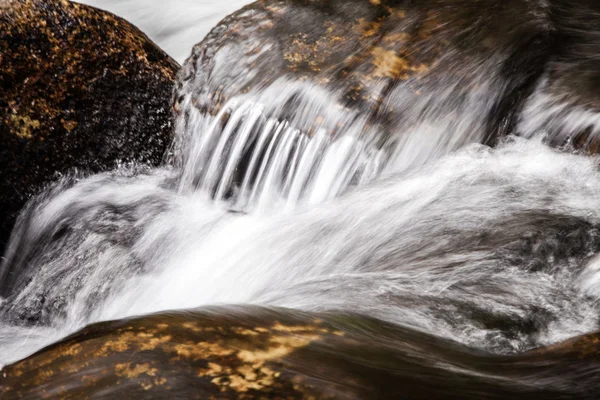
<point>79,88</point>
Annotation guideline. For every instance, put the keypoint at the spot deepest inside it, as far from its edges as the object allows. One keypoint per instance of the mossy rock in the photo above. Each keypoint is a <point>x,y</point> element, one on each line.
<point>79,89</point>
<point>253,352</point>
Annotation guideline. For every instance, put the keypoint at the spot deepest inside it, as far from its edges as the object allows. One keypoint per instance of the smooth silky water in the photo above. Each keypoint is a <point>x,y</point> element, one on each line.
<point>286,198</point>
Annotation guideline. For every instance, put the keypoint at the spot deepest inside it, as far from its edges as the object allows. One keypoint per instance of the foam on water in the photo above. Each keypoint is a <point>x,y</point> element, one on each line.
<point>288,197</point>
<point>487,247</point>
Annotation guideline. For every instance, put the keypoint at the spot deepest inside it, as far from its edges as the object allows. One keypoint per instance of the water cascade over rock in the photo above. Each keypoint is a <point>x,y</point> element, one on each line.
<point>80,89</point>
<point>363,194</point>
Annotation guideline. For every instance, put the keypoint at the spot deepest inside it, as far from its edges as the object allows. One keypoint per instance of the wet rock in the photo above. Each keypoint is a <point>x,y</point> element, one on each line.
<point>448,64</point>
<point>566,102</point>
<point>252,352</point>
<point>79,88</point>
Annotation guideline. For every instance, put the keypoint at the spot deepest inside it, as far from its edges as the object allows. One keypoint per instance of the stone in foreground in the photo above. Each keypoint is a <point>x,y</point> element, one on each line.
<point>250,352</point>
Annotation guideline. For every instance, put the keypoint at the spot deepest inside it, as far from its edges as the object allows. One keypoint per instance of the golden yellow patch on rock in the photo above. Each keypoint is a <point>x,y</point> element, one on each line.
<point>244,331</point>
<point>119,344</point>
<point>72,350</point>
<point>396,38</point>
<point>275,8</point>
<point>153,342</point>
<point>303,51</point>
<point>367,29</point>
<point>212,370</point>
<point>389,65</point>
<point>248,369</point>
<point>125,370</point>
<point>280,347</point>
<point>251,380</point>
<point>43,376</point>
<point>241,379</point>
<point>192,326</point>
<point>298,328</point>
<point>24,125</point>
<point>69,125</point>
<point>201,350</point>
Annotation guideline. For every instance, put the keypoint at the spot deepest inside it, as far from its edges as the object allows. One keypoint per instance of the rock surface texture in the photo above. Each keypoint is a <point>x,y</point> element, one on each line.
<point>250,352</point>
<point>79,89</point>
<point>477,70</point>
<point>387,59</point>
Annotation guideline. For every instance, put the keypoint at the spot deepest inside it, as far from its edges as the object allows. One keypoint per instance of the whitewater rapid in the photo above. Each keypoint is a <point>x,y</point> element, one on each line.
<point>288,198</point>
<point>488,247</point>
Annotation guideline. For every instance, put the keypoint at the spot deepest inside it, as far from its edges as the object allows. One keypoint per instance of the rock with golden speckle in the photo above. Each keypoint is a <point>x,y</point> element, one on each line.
<point>249,352</point>
<point>391,61</point>
<point>79,88</point>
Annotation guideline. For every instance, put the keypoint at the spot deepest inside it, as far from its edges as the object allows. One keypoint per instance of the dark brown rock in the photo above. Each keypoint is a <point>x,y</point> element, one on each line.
<point>394,61</point>
<point>251,352</point>
<point>79,88</point>
<point>475,70</point>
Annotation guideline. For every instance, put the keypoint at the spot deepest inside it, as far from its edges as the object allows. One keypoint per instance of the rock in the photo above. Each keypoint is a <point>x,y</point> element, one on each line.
<point>459,66</point>
<point>566,102</point>
<point>79,89</point>
<point>253,352</point>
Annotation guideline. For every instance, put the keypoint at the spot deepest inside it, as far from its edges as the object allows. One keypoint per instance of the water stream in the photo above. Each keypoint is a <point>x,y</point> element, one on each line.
<point>286,198</point>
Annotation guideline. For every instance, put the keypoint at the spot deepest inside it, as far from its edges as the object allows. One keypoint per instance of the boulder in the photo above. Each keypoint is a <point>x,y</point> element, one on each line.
<point>252,352</point>
<point>463,65</point>
<point>80,89</point>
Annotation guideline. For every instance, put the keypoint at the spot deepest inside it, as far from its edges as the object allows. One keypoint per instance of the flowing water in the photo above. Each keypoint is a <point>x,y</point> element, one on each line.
<point>492,248</point>
<point>175,25</point>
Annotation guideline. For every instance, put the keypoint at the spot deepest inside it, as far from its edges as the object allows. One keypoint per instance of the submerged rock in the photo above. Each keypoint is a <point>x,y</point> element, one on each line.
<point>252,352</point>
<point>79,88</point>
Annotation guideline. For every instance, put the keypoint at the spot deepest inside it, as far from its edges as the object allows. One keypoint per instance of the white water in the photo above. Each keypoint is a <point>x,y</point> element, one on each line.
<point>491,248</point>
<point>175,25</point>
<point>504,233</point>
<point>292,141</point>
<point>560,117</point>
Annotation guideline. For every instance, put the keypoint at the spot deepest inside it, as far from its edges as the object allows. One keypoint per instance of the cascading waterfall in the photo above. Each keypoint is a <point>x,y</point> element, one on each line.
<point>290,145</point>
<point>500,237</point>
<point>286,197</point>
<point>295,143</point>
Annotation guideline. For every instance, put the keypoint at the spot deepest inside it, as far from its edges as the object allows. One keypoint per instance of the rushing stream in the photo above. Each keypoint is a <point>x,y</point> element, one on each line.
<point>287,199</point>
<point>488,247</point>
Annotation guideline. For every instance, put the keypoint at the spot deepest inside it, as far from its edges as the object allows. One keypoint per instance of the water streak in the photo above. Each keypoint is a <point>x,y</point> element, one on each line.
<point>486,247</point>
<point>280,147</point>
